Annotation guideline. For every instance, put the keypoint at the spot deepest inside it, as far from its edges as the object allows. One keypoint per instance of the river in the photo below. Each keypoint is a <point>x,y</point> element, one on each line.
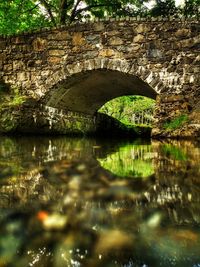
<point>97,202</point>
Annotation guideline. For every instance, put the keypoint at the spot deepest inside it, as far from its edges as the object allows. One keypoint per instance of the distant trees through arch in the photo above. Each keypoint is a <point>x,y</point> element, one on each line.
<point>132,110</point>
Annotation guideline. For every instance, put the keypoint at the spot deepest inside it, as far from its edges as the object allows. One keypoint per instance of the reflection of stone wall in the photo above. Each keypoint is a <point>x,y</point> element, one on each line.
<point>56,184</point>
<point>28,190</point>
<point>63,169</point>
<point>177,184</point>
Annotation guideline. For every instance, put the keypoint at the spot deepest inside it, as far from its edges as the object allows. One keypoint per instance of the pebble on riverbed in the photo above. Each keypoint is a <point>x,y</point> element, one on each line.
<point>52,221</point>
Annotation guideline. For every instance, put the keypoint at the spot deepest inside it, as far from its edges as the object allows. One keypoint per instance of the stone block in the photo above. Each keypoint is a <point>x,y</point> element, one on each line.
<point>190,42</point>
<point>7,67</point>
<point>39,44</point>
<point>64,35</point>
<point>181,33</point>
<point>90,54</point>
<point>142,28</point>
<point>2,45</point>
<point>139,38</point>
<point>51,37</point>
<point>56,52</point>
<point>99,26</point>
<point>17,65</point>
<point>18,40</point>
<point>54,60</point>
<point>45,73</point>
<point>97,64</point>
<point>135,47</point>
<point>21,76</point>
<point>172,98</point>
<point>106,52</point>
<point>113,33</point>
<point>155,53</point>
<point>78,39</point>
<point>93,38</point>
<point>115,41</point>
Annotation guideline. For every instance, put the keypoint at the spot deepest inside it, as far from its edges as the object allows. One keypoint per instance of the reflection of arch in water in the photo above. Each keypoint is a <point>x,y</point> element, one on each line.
<point>130,161</point>
<point>42,149</point>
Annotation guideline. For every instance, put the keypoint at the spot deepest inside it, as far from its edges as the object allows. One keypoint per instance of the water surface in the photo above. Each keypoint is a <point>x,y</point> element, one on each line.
<point>88,202</point>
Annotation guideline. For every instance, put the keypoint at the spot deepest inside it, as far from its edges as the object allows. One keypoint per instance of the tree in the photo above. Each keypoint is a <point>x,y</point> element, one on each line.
<point>191,8</point>
<point>64,11</point>
<point>130,109</point>
<point>164,8</point>
<point>18,15</point>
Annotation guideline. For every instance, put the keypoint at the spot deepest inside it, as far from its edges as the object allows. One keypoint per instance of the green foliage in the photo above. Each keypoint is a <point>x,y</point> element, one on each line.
<point>20,15</point>
<point>130,110</point>
<point>17,99</point>
<point>10,99</point>
<point>191,8</point>
<point>23,15</point>
<point>164,8</point>
<point>176,123</point>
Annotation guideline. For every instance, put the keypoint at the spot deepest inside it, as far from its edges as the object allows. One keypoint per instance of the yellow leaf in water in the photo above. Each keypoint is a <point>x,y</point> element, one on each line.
<point>55,221</point>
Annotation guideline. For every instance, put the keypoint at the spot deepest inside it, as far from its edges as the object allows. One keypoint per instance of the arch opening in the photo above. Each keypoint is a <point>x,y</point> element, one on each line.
<point>131,110</point>
<point>86,92</point>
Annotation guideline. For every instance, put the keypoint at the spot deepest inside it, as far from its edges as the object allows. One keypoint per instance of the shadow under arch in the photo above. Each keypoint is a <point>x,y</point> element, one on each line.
<point>88,88</point>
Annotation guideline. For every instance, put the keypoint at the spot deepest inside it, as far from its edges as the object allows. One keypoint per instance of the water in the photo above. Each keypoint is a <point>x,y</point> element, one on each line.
<point>86,202</point>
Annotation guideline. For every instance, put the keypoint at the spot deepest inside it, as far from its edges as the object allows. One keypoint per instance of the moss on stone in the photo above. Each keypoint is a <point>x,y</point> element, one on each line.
<point>10,103</point>
<point>11,98</point>
<point>8,121</point>
<point>176,123</point>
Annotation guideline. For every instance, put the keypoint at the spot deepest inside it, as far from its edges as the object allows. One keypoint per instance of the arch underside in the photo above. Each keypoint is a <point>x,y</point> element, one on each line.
<point>87,91</point>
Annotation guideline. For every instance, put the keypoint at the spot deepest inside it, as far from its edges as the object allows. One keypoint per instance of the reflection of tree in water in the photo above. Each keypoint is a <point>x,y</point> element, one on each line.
<point>89,216</point>
<point>130,160</point>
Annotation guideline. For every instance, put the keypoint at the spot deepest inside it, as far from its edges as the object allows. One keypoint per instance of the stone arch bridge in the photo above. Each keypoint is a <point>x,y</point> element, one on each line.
<point>71,71</point>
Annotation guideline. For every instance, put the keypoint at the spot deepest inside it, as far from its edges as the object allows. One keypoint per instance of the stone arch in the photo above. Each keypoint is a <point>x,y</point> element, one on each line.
<point>144,72</point>
<point>85,86</point>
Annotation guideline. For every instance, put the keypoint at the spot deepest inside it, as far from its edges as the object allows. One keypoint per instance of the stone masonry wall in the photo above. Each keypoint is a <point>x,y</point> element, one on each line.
<point>159,52</point>
<point>162,53</point>
<point>45,120</point>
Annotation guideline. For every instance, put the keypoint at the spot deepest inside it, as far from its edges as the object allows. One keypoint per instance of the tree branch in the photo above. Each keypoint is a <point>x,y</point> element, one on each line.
<point>48,9</point>
<point>29,10</point>
<point>63,11</point>
<point>89,8</point>
<point>73,14</point>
